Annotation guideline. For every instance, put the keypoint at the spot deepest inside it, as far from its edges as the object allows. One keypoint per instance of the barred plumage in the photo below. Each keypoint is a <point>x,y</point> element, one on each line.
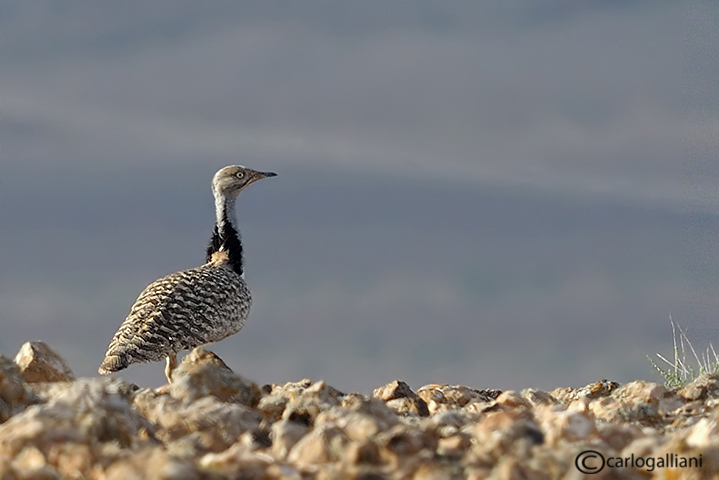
<point>196,306</point>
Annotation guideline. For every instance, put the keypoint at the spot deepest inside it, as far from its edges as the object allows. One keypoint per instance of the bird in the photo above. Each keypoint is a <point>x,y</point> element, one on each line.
<point>193,307</point>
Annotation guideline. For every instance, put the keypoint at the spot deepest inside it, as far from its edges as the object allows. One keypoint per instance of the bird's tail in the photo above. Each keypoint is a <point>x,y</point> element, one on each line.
<point>113,363</point>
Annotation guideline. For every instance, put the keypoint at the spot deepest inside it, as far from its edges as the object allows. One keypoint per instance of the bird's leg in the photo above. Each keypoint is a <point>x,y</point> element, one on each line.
<point>170,366</point>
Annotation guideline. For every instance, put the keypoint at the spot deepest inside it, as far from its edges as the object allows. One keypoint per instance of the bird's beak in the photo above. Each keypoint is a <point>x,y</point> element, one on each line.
<point>255,176</point>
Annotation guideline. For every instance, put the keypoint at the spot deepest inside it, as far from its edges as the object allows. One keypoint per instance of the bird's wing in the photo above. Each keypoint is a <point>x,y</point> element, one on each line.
<point>180,311</point>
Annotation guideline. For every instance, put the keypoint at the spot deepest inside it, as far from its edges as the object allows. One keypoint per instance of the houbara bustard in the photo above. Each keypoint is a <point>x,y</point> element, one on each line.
<point>192,307</point>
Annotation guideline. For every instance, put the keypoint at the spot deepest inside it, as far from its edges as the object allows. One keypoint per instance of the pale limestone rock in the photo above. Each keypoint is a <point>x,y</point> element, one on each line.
<point>7,471</point>
<point>30,458</point>
<point>563,394</point>
<point>257,439</point>
<point>212,424</point>
<point>321,445</point>
<point>454,395</point>
<point>13,394</point>
<point>76,460</point>
<point>510,399</point>
<point>407,406</point>
<point>643,447</point>
<point>304,409</point>
<point>402,441</point>
<point>705,432</point>
<point>556,462</point>
<point>474,409</point>
<point>151,464</point>
<point>436,471</point>
<point>363,452</point>
<point>375,408</point>
<point>512,433</point>
<point>645,403</point>
<point>607,409</point>
<point>325,393</point>
<point>452,418</point>
<point>203,373</point>
<point>566,425</point>
<point>618,436</point>
<point>401,399</point>
<point>394,389</point>
<point>538,397</point>
<point>703,387</point>
<point>82,424</point>
<point>686,415</point>
<point>31,463</point>
<point>651,393</point>
<point>454,446</point>
<point>583,404</point>
<point>675,446</point>
<point>302,402</point>
<point>215,425</point>
<point>88,410</point>
<point>273,405</point>
<point>285,434</point>
<point>39,363</point>
<point>238,462</point>
<point>474,472</point>
<point>592,391</point>
<point>289,390</point>
<point>514,469</point>
<point>356,425</point>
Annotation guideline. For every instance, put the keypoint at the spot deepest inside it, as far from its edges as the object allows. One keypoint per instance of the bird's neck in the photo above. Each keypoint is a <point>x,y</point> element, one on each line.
<point>225,244</point>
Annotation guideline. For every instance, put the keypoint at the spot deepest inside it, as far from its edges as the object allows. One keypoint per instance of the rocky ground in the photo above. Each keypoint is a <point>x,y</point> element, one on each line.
<point>211,423</point>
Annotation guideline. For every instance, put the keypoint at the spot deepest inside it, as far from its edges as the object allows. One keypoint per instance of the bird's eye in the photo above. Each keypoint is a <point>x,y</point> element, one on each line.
<point>240,174</point>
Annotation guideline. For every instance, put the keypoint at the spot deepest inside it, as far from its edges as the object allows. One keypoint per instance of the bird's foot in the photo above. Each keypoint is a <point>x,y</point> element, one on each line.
<point>170,366</point>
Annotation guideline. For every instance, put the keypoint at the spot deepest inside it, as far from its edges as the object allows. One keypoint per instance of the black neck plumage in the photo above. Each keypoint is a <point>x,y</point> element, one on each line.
<point>226,238</point>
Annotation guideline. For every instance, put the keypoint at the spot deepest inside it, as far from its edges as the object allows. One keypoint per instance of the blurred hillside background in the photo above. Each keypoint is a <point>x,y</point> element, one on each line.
<point>499,194</point>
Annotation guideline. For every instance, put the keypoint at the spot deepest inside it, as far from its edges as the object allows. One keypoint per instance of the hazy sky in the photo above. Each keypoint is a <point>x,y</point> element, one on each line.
<point>500,194</point>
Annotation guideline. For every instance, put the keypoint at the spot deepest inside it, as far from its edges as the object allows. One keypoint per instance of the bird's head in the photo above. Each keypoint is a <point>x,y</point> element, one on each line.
<point>231,180</point>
